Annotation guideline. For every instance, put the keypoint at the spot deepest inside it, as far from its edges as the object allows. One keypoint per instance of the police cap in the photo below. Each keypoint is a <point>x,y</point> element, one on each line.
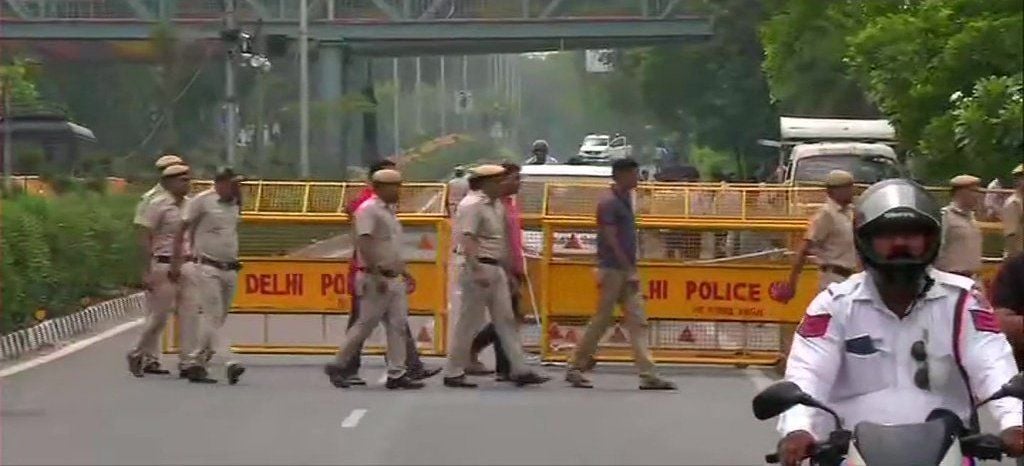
<point>175,170</point>
<point>838,179</point>
<point>167,161</point>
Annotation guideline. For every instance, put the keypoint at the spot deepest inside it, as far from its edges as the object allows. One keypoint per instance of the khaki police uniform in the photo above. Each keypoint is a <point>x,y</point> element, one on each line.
<point>1013,224</point>
<point>376,304</point>
<point>960,250</point>
<point>484,219</point>
<point>163,218</point>
<point>831,235</point>
<point>212,275</point>
<point>161,164</point>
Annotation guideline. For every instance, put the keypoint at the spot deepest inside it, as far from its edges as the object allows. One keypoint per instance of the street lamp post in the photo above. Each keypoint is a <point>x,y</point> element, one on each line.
<point>304,89</point>
<point>8,128</point>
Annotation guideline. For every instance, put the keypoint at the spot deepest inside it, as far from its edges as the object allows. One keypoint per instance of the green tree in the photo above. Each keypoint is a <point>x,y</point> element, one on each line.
<point>17,79</point>
<point>913,61</point>
<point>805,44</point>
<point>716,90</point>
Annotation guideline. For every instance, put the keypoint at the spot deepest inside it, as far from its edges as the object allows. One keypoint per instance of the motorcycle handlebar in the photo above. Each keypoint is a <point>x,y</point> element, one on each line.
<point>980,446</point>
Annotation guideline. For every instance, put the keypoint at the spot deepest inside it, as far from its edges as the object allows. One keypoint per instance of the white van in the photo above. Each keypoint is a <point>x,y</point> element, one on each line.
<point>812,147</point>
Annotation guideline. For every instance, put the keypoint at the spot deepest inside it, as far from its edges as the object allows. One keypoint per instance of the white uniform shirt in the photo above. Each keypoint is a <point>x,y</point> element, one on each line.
<point>853,354</point>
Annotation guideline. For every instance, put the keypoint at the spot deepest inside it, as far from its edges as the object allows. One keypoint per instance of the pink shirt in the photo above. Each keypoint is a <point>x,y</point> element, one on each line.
<point>350,209</point>
<point>515,234</point>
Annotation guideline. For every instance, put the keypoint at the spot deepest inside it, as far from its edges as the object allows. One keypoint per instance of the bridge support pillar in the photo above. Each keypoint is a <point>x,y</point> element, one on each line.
<point>327,157</point>
<point>360,129</point>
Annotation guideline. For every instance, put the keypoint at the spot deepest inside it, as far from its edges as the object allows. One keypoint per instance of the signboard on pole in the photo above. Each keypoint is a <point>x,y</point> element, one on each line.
<point>463,102</point>
<point>600,61</point>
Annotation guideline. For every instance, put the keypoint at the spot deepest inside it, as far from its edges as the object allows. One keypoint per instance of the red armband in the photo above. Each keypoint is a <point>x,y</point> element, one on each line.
<point>814,326</point>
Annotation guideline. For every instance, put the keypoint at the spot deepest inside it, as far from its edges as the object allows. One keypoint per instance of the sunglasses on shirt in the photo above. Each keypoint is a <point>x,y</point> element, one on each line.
<point>919,352</point>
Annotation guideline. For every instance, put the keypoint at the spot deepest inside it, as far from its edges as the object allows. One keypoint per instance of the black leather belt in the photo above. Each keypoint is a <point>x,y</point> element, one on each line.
<point>836,269</point>
<point>167,259</point>
<point>488,261</point>
<point>226,266</point>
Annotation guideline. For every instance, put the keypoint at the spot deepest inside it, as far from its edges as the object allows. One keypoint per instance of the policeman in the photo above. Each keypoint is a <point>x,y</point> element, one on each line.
<point>481,229</point>
<point>1013,215</point>
<point>455,264</point>
<point>416,368</point>
<point>960,250</point>
<point>151,361</point>
<point>880,346</point>
<point>458,187</point>
<point>383,282</point>
<point>830,237</point>
<point>211,218</point>
<point>161,217</point>
<point>618,282</point>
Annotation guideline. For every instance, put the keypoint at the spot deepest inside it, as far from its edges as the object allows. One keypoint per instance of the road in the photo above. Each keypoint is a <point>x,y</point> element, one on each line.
<point>86,409</point>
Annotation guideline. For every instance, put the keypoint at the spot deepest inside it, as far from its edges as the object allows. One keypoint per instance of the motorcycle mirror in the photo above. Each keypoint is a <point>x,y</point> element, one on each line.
<point>1014,388</point>
<point>777,398</point>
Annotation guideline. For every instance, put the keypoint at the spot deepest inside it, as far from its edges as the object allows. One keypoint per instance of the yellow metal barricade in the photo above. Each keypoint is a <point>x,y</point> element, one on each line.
<point>709,256</point>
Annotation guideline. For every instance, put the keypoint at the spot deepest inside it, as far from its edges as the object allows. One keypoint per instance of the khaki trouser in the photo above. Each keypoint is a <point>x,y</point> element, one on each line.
<point>390,307</point>
<point>161,301</point>
<point>207,296</point>
<point>616,288</point>
<point>496,299</point>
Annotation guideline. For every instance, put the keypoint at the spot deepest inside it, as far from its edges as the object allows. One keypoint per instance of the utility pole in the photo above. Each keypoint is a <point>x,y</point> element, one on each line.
<point>418,98</point>
<point>304,89</point>
<point>231,122</point>
<point>444,100</point>
<point>465,86</point>
<point>398,93</point>
<point>8,129</point>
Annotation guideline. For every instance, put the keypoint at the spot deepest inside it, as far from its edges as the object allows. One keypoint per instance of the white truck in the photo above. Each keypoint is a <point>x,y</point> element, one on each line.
<point>812,147</point>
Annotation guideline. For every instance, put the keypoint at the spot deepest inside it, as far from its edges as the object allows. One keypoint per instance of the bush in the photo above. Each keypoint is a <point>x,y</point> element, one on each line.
<point>58,252</point>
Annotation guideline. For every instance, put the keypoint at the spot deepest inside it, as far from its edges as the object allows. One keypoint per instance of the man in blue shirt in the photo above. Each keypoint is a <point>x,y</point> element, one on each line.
<point>618,282</point>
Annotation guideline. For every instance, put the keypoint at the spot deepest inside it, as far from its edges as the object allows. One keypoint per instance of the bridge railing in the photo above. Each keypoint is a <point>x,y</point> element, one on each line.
<point>329,10</point>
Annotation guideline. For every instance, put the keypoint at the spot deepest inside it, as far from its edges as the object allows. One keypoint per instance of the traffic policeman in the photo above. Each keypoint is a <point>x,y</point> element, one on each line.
<point>211,219</point>
<point>894,342</point>
<point>618,283</point>
<point>161,217</point>
<point>1013,215</point>
<point>382,281</point>
<point>151,362</point>
<point>960,249</point>
<point>481,230</point>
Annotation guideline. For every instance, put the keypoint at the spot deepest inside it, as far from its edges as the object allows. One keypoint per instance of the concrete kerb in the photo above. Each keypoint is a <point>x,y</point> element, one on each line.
<point>54,331</point>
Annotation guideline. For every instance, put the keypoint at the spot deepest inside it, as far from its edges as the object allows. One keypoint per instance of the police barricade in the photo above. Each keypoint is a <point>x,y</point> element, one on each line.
<point>292,295</point>
<point>708,258</point>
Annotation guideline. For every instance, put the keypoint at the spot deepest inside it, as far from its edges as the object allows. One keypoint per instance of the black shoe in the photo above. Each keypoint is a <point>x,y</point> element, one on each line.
<point>424,373</point>
<point>502,378</point>
<point>154,368</point>
<point>339,377</point>
<point>458,382</point>
<point>355,380</point>
<point>234,371</point>
<point>198,374</point>
<point>404,382</point>
<point>530,378</point>
<point>135,364</point>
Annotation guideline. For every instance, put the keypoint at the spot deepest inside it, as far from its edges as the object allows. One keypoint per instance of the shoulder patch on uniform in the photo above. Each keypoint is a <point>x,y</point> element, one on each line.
<point>814,326</point>
<point>985,321</point>
<point>952,279</point>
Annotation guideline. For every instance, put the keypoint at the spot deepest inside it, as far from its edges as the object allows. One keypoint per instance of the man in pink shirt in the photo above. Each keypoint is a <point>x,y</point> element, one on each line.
<point>416,369</point>
<point>516,274</point>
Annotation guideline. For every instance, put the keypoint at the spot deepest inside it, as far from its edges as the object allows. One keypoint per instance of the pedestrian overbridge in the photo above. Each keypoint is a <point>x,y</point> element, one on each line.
<point>709,256</point>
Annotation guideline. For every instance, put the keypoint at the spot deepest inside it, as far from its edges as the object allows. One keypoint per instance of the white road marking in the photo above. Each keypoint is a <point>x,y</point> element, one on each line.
<point>759,378</point>
<point>72,348</point>
<point>353,418</point>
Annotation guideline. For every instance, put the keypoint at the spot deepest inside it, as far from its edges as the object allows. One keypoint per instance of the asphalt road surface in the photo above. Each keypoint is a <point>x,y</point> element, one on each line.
<point>86,409</point>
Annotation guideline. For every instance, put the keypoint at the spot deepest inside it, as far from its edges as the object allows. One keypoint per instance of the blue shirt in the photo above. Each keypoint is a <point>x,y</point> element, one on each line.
<point>616,210</point>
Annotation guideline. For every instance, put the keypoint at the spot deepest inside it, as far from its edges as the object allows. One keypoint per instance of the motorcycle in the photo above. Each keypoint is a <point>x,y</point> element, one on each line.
<point>942,440</point>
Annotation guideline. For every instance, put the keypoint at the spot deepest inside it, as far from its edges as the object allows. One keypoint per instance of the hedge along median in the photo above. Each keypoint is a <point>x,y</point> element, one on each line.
<point>62,253</point>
